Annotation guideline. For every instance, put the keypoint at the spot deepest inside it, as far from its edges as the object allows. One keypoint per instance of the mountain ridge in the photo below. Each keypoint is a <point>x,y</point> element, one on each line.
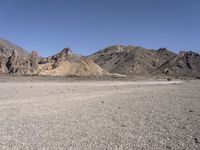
<point>9,46</point>
<point>135,60</point>
<point>117,60</point>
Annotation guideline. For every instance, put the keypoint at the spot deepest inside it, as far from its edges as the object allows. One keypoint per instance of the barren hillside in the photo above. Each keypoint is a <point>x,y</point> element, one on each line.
<point>131,60</point>
<point>9,47</point>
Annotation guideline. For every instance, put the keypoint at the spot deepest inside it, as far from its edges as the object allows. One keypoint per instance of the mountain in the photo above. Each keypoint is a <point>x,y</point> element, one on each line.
<point>132,61</point>
<point>183,64</point>
<point>115,61</point>
<point>8,46</point>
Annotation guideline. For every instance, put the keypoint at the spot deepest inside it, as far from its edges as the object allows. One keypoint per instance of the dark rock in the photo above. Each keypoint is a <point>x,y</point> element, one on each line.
<point>191,111</point>
<point>133,61</point>
<point>123,125</point>
<point>196,141</point>
<point>169,79</point>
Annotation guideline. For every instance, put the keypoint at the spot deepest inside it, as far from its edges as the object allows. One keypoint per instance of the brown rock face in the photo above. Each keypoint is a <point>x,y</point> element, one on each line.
<point>22,65</point>
<point>61,64</point>
<point>13,62</point>
<point>3,60</point>
<point>29,65</point>
<point>67,64</point>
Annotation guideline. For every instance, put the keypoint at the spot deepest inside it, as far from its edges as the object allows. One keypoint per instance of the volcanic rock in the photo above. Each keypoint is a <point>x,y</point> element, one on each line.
<point>183,64</point>
<point>132,61</point>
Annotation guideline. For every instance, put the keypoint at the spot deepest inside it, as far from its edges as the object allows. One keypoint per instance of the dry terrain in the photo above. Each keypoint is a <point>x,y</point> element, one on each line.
<point>99,115</point>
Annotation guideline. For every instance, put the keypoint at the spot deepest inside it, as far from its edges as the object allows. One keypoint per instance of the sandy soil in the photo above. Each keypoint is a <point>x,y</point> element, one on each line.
<point>98,115</point>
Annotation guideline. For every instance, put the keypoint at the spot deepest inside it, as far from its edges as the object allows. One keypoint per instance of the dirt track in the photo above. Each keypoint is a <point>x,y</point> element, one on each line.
<point>100,115</point>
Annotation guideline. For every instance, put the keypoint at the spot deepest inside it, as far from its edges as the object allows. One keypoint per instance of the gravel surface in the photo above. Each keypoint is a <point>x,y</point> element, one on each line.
<point>100,115</point>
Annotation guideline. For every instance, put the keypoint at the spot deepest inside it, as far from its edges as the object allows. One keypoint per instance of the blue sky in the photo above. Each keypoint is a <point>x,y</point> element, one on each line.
<point>89,25</point>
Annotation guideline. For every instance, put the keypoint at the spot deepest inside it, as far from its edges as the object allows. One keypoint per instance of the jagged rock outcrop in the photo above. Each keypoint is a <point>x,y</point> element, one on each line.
<point>62,64</point>
<point>11,57</point>
<point>17,63</point>
<point>67,64</point>
<point>29,65</point>
<point>13,62</point>
<point>3,60</point>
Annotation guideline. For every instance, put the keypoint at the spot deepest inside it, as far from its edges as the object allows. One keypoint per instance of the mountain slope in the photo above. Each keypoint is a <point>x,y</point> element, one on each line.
<point>183,64</point>
<point>131,60</point>
<point>9,47</point>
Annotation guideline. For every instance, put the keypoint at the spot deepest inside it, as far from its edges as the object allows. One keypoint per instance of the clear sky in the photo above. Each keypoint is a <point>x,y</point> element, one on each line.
<point>89,25</point>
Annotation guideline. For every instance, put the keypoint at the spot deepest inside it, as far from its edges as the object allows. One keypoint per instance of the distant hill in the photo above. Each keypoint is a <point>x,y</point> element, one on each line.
<point>131,60</point>
<point>9,47</point>
<point>184,64</point>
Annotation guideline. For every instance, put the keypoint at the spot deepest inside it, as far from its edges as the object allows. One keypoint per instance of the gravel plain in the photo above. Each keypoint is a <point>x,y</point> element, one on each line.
<point>100,115</point>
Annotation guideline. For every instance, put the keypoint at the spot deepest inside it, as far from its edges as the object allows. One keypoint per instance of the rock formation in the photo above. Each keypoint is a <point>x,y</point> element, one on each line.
<point>67,64</point>
<point>3,60</point>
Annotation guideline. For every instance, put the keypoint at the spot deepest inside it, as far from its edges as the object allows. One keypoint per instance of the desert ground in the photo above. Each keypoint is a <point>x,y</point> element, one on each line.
<point>99,114</point>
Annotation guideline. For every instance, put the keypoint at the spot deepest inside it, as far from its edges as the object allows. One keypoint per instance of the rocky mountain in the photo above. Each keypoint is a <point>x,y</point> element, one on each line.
<point>15,60</point>
<point>131,60</point>
<point>116,61</point>
<point>62,64</point>
<point>8,46</point>
<point>183,64</point>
